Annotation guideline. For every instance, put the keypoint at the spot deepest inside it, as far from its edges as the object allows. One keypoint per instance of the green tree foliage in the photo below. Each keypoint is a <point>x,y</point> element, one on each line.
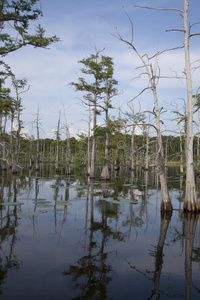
<point>18,14</point>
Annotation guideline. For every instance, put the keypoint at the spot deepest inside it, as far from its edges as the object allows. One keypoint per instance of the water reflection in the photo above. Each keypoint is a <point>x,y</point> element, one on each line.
<point>8,231</point>
<point>92,273</point>
<point>190,228</point>
<point>81,245</point>
<point>159,257</point>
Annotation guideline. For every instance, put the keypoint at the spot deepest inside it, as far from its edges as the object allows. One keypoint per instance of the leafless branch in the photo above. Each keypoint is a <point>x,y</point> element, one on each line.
<point>131,24</point>
<point>166,50</point>
<point>156,8</point>
<point>194,34</point>
<point>169,30</point>
<point>147,88</point>
<point>24,91</point>
<point>194,24</point>
<point>197,133</point>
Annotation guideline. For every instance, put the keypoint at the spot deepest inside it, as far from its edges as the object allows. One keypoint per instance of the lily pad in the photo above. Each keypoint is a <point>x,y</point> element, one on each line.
<point>39,199</point>
<point>123,200</point>
<point>32,213</point>
<point>107,199</point>
<point>63,203</point>
<point>44,205</point>
<point>41,202</point>
<point>11,203</point>
<point>134,202</point>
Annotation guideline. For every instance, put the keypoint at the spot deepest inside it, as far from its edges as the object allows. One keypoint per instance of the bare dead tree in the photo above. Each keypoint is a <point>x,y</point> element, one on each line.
<point>191,202</point>
<point>38,141</point>
<point>57,142</point>
<point>153,74</point>
<point>68,153</point>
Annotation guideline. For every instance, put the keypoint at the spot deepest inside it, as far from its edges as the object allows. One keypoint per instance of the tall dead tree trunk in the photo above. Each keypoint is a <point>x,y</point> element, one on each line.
<point>147,148</point>
<point>166,204</point>
<point>133,141</point>
<point>57,143</point>
<point>68,153</point>
<point>38,143</point>
<point>191,201</point>
<point>160,161</point>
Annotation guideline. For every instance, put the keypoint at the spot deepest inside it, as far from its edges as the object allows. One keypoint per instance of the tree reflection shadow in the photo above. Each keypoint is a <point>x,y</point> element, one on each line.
<point>190,228</point>
<point>158,254</point>
<point>165,220</point>
<point>92,273</point>
<point>8,232</point>
<point>190,222</point>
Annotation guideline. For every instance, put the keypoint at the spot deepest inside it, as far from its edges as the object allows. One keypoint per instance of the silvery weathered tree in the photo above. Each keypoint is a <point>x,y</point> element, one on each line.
<point>37,164</point>
<point>153,73</point>
<point>137,120</point>
<point>68,152</point>
<point>57,142</point>
<point>191,202</point>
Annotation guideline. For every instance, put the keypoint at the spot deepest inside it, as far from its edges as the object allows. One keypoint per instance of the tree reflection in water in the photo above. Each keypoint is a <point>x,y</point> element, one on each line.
<point>190,220</point>
<point>92,273</point>
<point>110,235</point>
<point>8,232</point>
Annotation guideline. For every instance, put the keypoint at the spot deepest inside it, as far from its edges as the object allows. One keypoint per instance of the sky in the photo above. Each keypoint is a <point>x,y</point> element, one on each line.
<point>81,26</point>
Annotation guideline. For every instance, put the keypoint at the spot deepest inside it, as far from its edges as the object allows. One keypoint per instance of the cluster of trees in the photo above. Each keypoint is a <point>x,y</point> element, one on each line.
<point>99,88</point>
<point>15,28</point>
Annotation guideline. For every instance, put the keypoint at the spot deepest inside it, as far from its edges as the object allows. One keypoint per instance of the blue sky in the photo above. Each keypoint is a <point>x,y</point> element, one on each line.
<point>78,24</point>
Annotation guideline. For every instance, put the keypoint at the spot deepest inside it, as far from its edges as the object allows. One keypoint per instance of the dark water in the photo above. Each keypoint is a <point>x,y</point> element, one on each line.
<point>90,242</point>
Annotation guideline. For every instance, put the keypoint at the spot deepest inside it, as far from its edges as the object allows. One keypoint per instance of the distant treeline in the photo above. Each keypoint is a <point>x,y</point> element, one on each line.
<point>119,149</point>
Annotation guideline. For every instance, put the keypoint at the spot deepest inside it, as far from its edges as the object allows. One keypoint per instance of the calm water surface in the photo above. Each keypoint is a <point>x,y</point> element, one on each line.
<point>74,239</point>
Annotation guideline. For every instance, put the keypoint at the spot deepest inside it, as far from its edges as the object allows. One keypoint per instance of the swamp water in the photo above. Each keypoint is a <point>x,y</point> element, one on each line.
<point>67,238</point>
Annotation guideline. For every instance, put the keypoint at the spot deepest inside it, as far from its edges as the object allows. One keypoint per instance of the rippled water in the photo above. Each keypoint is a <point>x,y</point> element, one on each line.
<point>73,239</point>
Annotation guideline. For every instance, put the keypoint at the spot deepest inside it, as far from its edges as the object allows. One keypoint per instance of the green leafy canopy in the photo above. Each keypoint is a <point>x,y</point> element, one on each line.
<point>18,15</point>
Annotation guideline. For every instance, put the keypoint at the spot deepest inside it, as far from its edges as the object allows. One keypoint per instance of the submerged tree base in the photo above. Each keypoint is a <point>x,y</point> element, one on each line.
<point>191,208</point>
<point>166,206</point>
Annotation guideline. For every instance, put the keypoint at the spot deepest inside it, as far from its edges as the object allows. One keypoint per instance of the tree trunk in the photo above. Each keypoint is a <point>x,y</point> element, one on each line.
<point>15,165</point>
<point>88,148</point>
<point>191,202</point>
<point>68,160</point>
<point>147,149</point>
<point>57,144</point>
<point>133,143</point>
<point>105,172</point>
<point>181,154</point>
<point>92,168</point>
<point>38,145</point>
<point>165,200</point>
